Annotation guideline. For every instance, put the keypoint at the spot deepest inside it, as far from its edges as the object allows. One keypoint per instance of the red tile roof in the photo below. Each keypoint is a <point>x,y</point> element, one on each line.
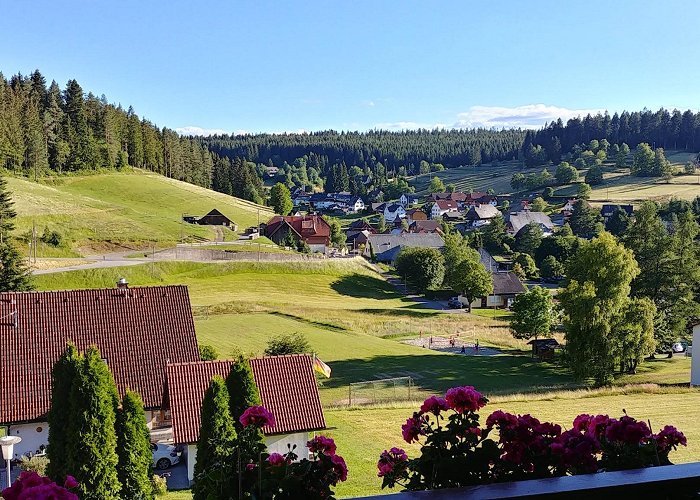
<point>287,388</point>
<point>138,330</point>
<point>446,204</point>
<point>311,228</point>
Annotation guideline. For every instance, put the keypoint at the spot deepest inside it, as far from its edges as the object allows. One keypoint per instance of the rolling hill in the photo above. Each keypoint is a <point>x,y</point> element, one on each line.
<point>98,212</point>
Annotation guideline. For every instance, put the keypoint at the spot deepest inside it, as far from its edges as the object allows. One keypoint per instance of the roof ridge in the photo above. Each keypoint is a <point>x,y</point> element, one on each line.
<point>141,287</point>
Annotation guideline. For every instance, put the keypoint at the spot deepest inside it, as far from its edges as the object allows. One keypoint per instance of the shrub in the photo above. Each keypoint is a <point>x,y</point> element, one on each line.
<point>207,352</point>
<point>294,343</point>
<point>160,485</point>
<point>457,451</point>
<point>37,463</point>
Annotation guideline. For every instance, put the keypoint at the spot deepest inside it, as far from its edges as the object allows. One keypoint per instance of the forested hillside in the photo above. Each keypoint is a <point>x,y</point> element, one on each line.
<point>661,129</point>
<point>44,129</point>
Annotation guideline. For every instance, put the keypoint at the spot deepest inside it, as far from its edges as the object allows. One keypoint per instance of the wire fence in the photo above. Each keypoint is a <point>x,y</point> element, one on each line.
<point>380,391</point>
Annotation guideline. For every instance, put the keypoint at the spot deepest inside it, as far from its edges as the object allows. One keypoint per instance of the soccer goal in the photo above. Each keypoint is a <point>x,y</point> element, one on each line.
<point>380,391</point>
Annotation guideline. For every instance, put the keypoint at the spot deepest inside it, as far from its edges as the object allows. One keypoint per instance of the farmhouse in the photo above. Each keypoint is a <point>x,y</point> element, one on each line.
<point>287,388</point>
<point>441,207</point>
<point>425,226</point>
<point>608,210</point>
<point>312,229</point>
<point>506,285</point>
<point>394,210</point>
<point>213,218</point>
<point>518,220</point>
<point>137,330</point>
<point>387,246</point>
<point>415,214</point>
<point>408,199</point>
<point>479,215</point>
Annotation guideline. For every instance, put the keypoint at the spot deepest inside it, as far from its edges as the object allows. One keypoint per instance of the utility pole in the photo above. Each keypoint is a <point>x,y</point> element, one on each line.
<point>258,234</point>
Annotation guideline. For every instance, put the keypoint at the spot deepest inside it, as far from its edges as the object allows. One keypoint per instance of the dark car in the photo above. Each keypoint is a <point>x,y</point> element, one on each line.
<point>454,303</point>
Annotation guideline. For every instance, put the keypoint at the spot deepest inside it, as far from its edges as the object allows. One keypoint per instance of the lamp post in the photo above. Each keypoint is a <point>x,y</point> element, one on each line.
<point>8,443</point>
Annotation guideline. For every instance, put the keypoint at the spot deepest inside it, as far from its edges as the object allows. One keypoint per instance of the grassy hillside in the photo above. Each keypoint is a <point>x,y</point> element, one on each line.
<point>132,208</point>
<point>493,176</point>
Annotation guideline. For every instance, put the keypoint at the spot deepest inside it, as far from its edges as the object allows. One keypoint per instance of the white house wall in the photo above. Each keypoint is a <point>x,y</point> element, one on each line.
<point>33,437</point>
<point>275,444</point>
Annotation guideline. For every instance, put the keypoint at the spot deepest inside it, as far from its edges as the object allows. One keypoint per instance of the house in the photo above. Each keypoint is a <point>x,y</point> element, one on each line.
<point>378,207</point>
<point>408,199</point>
<point>608,210</point>
<point>415,214</point>
<point>506,286</point>
<point>356,205</point>
<point>394,210</point>
<point>300,197</point>
<point>213,218</point>
<point>456,196</point>
<point>137,330</point>
<point>517,221</point>
<point>425,226</point>
<point>453,216</point>
<point>321,201</point>
<point>287,388</point>
<point>568,208</point>
<point>361,225</point>
<point>387,246</point>
<point>487,199</point>
<point>357,240</point>
<point>271,171</point>
<point>479,215</point>
<point>312,229</point>
<point>441,207</point>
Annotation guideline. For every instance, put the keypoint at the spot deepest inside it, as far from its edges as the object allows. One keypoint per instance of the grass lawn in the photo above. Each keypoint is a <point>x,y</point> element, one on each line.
<point>362,434</point>
<point>480,178</point>
<point>124,208</point>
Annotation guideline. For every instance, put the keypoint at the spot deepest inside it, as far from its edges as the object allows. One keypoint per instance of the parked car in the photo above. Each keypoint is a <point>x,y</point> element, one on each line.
<point>165,455</point>
<point>679,346</point>
<point>455,303</point>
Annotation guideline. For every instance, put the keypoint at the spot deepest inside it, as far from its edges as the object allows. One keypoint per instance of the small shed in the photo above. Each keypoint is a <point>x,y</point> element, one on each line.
<point>543,348</point>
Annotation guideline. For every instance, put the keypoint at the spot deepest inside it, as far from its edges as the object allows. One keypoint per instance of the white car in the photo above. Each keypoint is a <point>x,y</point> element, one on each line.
<point>165,455</point>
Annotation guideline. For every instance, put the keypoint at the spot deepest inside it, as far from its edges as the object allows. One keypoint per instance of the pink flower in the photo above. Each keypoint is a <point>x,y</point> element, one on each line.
<point>32,486</point>
<point>464,399</point>
<point>576,451</point>
<point>433,405</point>
<point>250,466</point>
<point>276,459</point>
<point>413,428</point>
<point>257,416</point>
<point>669,438</point>
<point>322,444</point>
<point>502,420</point>
<point>627,430</point>
<point>393,460</point>
<point>339,467</point>
<point>70,483</point>
<point>582,422</point>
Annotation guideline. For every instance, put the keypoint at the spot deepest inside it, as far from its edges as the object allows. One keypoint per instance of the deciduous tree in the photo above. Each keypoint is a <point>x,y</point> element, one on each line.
<point>423,268</point>
<point>533,314</point>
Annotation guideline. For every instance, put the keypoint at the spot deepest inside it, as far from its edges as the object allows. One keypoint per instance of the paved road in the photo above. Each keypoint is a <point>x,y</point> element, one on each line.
<point>114,259</point>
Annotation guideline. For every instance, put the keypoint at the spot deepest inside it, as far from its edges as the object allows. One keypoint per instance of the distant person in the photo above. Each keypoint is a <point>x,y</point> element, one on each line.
<point>476,346</point>
<point>463,351</point>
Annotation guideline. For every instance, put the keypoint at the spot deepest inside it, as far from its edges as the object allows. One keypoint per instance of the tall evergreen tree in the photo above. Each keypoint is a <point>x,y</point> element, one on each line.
<point>585,222</point>
<point>134,449</point>
<point>93,458</point>
<point>215,446</point>
<point>15,276</point>
<point>61,414</point>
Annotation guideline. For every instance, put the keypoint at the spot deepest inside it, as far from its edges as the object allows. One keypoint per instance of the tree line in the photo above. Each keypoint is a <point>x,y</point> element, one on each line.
<point>46,130</point>
<point>660,129</point>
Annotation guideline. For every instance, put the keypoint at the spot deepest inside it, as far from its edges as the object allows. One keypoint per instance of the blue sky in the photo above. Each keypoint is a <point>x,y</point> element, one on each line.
<point>355,65</point>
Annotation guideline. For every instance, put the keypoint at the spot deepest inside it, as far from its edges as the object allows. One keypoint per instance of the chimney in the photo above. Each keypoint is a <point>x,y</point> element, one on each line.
<point>122,284</point>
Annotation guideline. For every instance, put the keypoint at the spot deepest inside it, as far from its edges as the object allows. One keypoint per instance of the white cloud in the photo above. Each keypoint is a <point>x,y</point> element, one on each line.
<point>529,116</point>
<point>369,104</point>
<point>191,130</point>
<point>407,126</point>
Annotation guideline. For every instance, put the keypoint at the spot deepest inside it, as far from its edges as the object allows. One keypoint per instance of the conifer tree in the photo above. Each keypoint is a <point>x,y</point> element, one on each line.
<point>14,274</point>
<point>92,433</point>
<point>134,449</point>
<point>216,444</point>
<point>63,374</point>
<point>242,390</point>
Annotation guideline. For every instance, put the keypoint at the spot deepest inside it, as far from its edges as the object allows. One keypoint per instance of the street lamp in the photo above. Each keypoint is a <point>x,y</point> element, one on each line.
<point>8,443</point>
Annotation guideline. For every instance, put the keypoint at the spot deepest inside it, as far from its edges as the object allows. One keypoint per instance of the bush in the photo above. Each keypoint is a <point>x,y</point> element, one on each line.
<point>207,352</point>
<point>37,463</point>
<point>424,268</point>
<point>160,485</point>
<point>294,343</point>
<point>52,238</point>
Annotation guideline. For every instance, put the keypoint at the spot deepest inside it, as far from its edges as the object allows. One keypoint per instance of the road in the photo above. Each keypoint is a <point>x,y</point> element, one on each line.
<point>114,259</point>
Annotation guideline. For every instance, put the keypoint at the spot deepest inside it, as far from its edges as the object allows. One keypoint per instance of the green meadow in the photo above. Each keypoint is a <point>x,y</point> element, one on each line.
<point>94,213</point>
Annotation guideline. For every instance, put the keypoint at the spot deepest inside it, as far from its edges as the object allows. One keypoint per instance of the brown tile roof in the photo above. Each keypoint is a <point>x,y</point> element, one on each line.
<point>138,330</point>
<point>287,388</point>
<point>311,228</point>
